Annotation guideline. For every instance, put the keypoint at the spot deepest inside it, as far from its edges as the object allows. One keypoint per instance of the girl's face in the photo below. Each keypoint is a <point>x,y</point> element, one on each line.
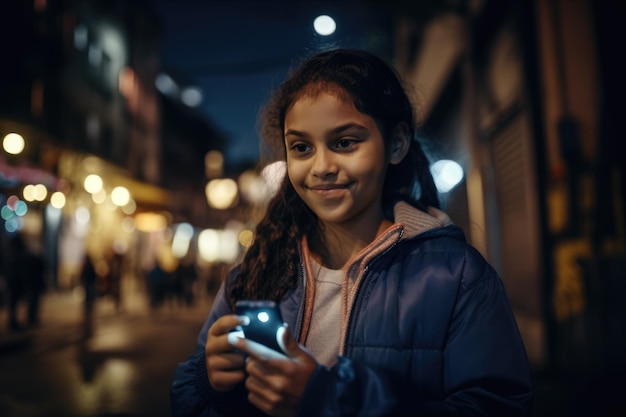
<point>336,159</point>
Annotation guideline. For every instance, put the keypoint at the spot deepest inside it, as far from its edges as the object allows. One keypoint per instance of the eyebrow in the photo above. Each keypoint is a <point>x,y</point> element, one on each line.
<point>336,130</point>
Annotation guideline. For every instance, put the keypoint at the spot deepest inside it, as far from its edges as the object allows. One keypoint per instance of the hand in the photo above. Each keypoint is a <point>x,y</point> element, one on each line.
<point>276,385</point>
<point>225,366</point>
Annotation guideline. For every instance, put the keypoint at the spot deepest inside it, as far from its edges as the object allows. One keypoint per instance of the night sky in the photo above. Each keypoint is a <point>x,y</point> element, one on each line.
<point>238,51</point>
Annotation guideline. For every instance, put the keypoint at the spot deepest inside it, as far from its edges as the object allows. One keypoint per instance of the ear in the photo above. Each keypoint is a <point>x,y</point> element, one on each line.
<point>400,142</point>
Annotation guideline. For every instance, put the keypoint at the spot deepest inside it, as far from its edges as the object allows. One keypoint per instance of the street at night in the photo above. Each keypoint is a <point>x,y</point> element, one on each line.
<point>124,369</point>
<point>148,148</point>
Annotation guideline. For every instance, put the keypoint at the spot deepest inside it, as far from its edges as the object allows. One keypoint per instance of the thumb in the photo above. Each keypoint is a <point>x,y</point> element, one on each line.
<point>291,347</point>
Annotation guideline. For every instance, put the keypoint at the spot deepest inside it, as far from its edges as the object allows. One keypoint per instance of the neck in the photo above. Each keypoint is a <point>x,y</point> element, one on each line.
<point>345,240</point>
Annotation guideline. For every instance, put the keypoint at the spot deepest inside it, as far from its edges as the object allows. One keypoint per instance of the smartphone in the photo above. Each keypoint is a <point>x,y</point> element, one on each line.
<point>265,328</point>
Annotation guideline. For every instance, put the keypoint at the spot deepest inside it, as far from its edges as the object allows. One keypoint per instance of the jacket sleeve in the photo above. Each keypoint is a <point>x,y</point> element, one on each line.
<point>485,367</point>
<point>191,393</point>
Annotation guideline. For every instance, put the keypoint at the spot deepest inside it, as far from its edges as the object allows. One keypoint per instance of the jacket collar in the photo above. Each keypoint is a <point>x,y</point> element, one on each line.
<point>416,222</point>
<point>408,222</point>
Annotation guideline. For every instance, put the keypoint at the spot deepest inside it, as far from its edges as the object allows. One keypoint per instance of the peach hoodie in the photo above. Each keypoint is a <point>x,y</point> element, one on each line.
<point>408,222</point>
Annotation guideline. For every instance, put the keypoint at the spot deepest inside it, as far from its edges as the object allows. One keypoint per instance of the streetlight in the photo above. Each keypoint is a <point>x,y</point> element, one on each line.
<point>324,25</point>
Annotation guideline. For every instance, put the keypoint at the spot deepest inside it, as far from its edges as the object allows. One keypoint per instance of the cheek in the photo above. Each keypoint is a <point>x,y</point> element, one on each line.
<point>294,173</point>
<point>370,172</point>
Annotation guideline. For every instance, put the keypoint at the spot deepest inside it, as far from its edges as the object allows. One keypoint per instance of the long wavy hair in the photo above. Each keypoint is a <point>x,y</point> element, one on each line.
<point>270,267</point>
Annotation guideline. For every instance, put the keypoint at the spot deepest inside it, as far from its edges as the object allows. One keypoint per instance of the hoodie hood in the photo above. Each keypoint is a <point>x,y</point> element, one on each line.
<point>416,222</point>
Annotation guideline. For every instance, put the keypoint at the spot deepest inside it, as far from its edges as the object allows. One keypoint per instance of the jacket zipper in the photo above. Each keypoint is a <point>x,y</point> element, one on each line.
<point>357,297</point>
<point>300,317</point>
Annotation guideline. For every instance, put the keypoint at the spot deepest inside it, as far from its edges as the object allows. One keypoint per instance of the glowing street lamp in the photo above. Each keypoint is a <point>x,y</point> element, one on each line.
<point>324,25</point>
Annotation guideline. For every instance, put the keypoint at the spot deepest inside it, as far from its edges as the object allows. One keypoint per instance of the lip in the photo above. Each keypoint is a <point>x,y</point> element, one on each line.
<point>329,190</point>
<point>328,187</point>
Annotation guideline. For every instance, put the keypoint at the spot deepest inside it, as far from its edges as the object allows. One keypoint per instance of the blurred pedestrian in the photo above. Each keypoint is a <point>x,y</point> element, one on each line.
<point>115,261</point>
<point>89,280</point>
<point>185,277</point>
<point>35,285</point>
<point>156,282</point>
<point>16,276</point>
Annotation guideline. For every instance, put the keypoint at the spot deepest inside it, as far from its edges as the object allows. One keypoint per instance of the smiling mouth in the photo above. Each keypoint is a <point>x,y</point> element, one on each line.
<point>328,189</point>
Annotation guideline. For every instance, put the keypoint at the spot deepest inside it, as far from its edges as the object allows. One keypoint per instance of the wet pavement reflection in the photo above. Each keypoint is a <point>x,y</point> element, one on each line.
<point>124,368</point>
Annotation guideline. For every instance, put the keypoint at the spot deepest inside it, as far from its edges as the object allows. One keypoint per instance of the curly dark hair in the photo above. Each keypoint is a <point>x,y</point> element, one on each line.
<point>271,265</point>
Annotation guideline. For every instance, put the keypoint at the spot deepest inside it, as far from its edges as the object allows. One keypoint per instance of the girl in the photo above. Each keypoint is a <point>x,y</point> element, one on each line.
<point>389,311</point>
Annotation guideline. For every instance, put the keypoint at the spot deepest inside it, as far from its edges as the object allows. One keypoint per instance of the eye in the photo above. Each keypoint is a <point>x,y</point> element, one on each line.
<point>345,144</point>
<point>301,147</point>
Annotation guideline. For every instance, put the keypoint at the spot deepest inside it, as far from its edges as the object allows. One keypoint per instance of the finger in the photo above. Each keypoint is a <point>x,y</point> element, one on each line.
<point>292,348</point>
<point>225,381</point>
<point>230,377</point>
<point>226,362</point>
<point>271,395</point>
<point>217,338</point>
<point>224,325</point>
<point>299,353</point>
<point>260,402</point>
<point>218,345</point>
<point>260,368</point>
<point>261,395</point>
<point>256,350</point>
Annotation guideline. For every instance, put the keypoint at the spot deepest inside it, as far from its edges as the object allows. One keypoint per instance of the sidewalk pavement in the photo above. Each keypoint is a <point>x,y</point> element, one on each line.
<point>558,395</point>
<point>62,311</point>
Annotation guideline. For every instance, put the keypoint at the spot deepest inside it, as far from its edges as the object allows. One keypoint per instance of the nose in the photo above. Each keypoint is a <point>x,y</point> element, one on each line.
<point>323,164</point>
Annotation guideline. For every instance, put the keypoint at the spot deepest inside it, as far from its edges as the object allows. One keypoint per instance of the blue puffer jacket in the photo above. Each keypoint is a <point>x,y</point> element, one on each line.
<point>431,333</point>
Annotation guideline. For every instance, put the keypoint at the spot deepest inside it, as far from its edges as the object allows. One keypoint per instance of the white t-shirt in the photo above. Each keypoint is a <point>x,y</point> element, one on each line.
<point>323,338</point>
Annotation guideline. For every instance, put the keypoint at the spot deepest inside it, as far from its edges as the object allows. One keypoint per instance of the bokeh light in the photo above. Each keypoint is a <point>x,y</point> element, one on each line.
<point>120,196</point>
<point>82,215</point>
<point>150,222</point>
<point>21,208</point>
<point>93,183</point>
<point>29,192</point>
<point>324,25</point>
<point>191,96</point>
<point>214,164</point>
<point>446,174</point>
<point>40,192</point>
<point>57,200</point>
<point>246,237</point>
<point>13,143</point>
<point>99,197</point>
<point>130,207</point>
<point>218,245</point>
<point>181,240</point>
<point>128,224</point>
<point>221,193</point>
<point>13,213</point>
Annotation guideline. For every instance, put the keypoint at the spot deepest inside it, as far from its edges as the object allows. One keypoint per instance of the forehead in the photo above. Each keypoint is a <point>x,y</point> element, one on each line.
<point>319,91</point>
<point>315,90</point>
<point>323,111</point>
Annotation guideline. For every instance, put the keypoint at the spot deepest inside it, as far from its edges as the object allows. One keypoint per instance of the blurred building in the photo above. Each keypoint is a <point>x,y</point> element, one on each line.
<point>525,95</point>
<point>78,84</point>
